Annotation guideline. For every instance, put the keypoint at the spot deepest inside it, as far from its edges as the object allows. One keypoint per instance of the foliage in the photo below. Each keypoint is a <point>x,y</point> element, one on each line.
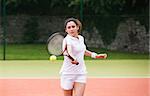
<point>31,30</point>
<point>106,11</point>
<point>42,7</point>
<point>105,7</point>
<point>106,14</point>
<point>97,6</point>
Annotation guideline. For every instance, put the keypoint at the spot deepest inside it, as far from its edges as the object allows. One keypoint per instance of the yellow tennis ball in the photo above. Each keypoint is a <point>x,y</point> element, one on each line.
<point>52,58</point>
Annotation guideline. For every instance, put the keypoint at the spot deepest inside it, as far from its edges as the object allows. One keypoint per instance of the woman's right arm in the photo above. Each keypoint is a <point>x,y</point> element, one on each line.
<point>69,50</point>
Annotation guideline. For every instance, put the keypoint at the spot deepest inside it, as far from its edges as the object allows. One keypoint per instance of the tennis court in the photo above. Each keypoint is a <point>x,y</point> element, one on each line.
<point>117,27</point>
<point>95,87</point>
<point>105,78</point>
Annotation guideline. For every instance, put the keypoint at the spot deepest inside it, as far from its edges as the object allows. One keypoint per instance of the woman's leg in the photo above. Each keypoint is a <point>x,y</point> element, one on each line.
<point>68,92</point>
<point>67,84</point>
<point>79,88</point>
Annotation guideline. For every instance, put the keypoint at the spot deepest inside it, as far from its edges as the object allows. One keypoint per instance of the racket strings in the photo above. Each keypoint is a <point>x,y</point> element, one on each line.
<point>55,45</point>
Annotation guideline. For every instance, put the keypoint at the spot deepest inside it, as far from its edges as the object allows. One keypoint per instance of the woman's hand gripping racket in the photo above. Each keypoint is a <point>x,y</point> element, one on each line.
<point>54,46</point>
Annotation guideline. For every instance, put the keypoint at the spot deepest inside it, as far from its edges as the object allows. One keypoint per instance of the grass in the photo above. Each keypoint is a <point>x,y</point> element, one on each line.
<point>39,52</point>
<point>26,52</point>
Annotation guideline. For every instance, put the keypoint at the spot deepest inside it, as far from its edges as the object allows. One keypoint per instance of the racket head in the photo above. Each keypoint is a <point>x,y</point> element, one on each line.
<point>54,43</point>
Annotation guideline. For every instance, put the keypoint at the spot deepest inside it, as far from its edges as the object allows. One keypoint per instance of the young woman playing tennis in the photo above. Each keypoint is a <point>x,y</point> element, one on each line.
<point>73,76</point>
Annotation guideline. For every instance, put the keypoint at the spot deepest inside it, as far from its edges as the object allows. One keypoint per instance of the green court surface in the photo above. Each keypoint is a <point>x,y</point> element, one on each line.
<point>96,68</point>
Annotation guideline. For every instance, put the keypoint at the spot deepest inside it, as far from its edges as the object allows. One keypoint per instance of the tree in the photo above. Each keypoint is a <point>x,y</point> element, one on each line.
<point>31,30</point>
<point>105,7</point>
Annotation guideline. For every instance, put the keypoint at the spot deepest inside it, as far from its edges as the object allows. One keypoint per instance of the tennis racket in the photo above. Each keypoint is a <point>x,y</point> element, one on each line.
<point>54,45</point>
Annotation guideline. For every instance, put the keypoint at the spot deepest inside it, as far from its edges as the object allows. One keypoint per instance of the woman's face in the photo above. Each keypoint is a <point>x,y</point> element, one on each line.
<point>72,29</point>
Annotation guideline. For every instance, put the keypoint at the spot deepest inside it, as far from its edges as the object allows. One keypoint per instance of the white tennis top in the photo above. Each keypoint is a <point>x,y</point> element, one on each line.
<point>78,50</point>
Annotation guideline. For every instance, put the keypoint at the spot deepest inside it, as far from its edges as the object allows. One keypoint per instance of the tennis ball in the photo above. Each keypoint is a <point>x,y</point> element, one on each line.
<point>52,58</point>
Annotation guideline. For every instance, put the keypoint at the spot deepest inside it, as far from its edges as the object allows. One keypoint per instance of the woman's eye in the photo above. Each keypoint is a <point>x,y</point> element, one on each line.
<point>69,27</point>
<point>73,26</point>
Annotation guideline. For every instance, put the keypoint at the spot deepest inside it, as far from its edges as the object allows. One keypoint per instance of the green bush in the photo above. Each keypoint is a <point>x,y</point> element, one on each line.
<point>31,30</point>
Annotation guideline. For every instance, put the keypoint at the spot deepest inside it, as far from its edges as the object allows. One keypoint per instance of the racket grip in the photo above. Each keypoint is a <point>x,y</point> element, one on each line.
<point>73,61</point>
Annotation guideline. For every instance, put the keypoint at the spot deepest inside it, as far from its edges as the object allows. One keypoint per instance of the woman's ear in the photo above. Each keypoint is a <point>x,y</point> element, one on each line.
<point>78,28</point>
<point>66,31</point>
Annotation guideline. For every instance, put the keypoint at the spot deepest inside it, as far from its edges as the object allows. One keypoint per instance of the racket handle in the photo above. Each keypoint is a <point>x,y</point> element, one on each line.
<point>101,56</point>
<point>73,60</point>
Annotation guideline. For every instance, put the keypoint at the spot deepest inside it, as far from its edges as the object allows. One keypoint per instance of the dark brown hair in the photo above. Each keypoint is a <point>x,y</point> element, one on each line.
<point>76,21</point>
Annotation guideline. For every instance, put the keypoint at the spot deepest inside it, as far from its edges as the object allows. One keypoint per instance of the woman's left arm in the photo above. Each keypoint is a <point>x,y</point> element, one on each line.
<point>91,54</point>
<point>95,55</point>
<point>88,53</point>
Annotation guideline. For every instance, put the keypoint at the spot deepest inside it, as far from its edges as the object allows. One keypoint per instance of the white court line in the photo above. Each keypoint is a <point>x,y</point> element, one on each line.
<point>87,77</point>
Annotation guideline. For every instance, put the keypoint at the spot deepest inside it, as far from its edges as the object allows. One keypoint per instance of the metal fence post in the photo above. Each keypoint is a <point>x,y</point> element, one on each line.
<point>81,10</point>
<point>4,28</point>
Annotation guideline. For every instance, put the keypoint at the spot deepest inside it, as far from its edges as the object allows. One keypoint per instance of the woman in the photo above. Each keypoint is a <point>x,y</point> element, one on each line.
<point>73,77</point>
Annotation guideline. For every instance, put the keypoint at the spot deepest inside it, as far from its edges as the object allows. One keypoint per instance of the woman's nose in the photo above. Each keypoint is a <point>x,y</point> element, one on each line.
<point>71,28</point>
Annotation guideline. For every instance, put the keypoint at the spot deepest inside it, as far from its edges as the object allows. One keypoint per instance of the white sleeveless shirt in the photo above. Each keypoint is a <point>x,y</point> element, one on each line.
<point>78,50</point>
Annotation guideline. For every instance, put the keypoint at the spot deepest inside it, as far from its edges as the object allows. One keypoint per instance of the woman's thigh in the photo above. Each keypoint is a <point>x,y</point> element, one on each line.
<point>79,85</point>
<point>79,88</point>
